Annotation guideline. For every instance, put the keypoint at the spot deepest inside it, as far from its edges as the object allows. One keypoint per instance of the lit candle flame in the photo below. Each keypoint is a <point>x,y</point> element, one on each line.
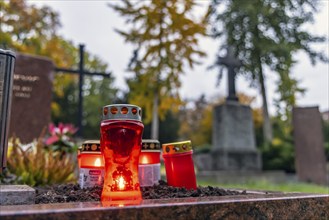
<point>145,160</point>
<point>98,162</point>
<point>121,183</point>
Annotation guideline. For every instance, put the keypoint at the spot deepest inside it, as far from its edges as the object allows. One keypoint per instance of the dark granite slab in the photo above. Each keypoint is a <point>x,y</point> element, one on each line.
<point>256,206</point>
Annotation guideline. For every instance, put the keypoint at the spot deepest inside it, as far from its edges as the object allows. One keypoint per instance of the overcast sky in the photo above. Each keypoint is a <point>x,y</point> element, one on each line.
<point>92,23</point>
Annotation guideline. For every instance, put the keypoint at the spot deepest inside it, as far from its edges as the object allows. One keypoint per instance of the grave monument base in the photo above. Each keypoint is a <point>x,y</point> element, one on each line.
<point>234,147</point>
<point>236,160</point>
<point>16,195</point>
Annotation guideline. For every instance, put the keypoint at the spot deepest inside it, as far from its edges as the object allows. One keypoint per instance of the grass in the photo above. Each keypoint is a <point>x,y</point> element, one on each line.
<point>266,185</point>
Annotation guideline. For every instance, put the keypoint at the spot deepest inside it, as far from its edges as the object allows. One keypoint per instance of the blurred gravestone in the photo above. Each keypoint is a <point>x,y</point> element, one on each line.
<point>233,137</point>
<point>234,146</point>
<point>309,147</point>
<point>32,95</point>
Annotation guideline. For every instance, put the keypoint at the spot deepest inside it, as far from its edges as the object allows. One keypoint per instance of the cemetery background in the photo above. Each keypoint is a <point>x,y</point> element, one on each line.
<point>191,123</point>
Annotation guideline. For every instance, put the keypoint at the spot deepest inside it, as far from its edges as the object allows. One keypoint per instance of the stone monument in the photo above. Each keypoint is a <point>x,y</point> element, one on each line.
<point>309,147</point>
<point>32,95</point>
<point>233,138</point>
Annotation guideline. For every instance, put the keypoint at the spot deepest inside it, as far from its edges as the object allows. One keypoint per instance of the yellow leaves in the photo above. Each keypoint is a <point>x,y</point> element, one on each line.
<point>276,142</point>
<point>28,26</point>
<point>169,103</point>
<point>257,116</point>
<point>246,99</point>
<point>196,125</point>
<point>56,109</point>
<point>166,38</point>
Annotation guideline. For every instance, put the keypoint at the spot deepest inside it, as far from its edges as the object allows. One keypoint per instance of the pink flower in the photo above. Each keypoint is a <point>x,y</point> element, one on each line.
<point>61,132</point>
<point>51,140</point>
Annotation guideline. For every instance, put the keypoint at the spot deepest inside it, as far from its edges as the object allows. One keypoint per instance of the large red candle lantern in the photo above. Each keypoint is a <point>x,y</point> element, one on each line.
<point>91,164</point>
<point>179,164</point>
<point>121,139</point>
<point>149,163</point>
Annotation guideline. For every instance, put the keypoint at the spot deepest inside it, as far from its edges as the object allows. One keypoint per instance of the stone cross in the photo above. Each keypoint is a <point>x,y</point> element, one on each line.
<point>231,63</point>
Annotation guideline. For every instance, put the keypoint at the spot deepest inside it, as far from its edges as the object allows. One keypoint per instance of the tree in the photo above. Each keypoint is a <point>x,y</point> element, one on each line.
<point>169,128</point>
<point>165,37</point>
<point>26,28</point>
<point>196,121</point>
<point>29,29</point>
<point>99,91</point>
<point>267,34</point>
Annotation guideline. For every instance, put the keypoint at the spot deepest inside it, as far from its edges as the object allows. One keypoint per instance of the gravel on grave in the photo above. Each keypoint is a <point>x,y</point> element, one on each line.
<point>73,193</point>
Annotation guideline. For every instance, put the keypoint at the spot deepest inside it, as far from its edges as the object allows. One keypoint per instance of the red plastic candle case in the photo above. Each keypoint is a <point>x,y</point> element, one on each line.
<point>149,163</point>
<point>91,164</point>
<point>121,138</point>
<point>179,164</point>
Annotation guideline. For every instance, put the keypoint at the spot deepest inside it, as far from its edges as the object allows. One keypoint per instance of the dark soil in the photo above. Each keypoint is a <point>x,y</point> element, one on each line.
<point>73,193</point>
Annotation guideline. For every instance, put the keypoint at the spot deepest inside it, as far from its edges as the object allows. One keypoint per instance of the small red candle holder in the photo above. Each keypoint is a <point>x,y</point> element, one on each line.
<point>121,139</point>
<point>91,164</point>
<point>149,163</point>
<point>179,164</point>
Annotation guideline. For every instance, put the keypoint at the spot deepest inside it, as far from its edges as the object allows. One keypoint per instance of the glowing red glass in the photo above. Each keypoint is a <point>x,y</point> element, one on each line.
<point>91,164</point>
<point>121,144</point>
<point>149,158</point>
<point>91,160</point>
<point>149,163</point>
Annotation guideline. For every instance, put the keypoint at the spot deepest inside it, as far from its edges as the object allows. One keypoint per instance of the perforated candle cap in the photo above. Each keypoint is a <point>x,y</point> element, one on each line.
<point>177,147</point>
<point>122,112</point>
<point>90,146</point>
<point>8,52</point>
<point>149,145</point>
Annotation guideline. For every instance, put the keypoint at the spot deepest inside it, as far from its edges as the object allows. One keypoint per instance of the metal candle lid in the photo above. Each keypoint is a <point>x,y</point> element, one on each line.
<point>122,112</point>
<point>8,52</point>
<point>149,145</point>
<point>177,147</point>
<point>91,146</point>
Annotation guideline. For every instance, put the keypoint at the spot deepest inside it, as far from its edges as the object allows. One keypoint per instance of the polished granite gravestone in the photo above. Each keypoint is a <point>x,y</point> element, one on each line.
<point>309,145</point>
<point>32,95</point>
<point>256,205</point>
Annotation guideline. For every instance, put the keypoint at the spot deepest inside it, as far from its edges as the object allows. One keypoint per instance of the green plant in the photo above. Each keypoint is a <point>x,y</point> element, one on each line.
<point>35,166</point>
<point>268,185</point>
<point>280,155</point>
<point>326,150</point>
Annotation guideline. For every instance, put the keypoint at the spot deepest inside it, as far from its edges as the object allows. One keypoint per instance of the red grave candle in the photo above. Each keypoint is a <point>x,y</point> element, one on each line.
<point>91,164</point>
<point>179,164</point>
<point>121,139</point>
<point>149,163</point>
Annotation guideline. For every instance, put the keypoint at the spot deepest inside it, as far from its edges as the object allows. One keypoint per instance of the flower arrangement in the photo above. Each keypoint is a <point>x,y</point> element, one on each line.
<point>61,138</point>
<point>35,165</point>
